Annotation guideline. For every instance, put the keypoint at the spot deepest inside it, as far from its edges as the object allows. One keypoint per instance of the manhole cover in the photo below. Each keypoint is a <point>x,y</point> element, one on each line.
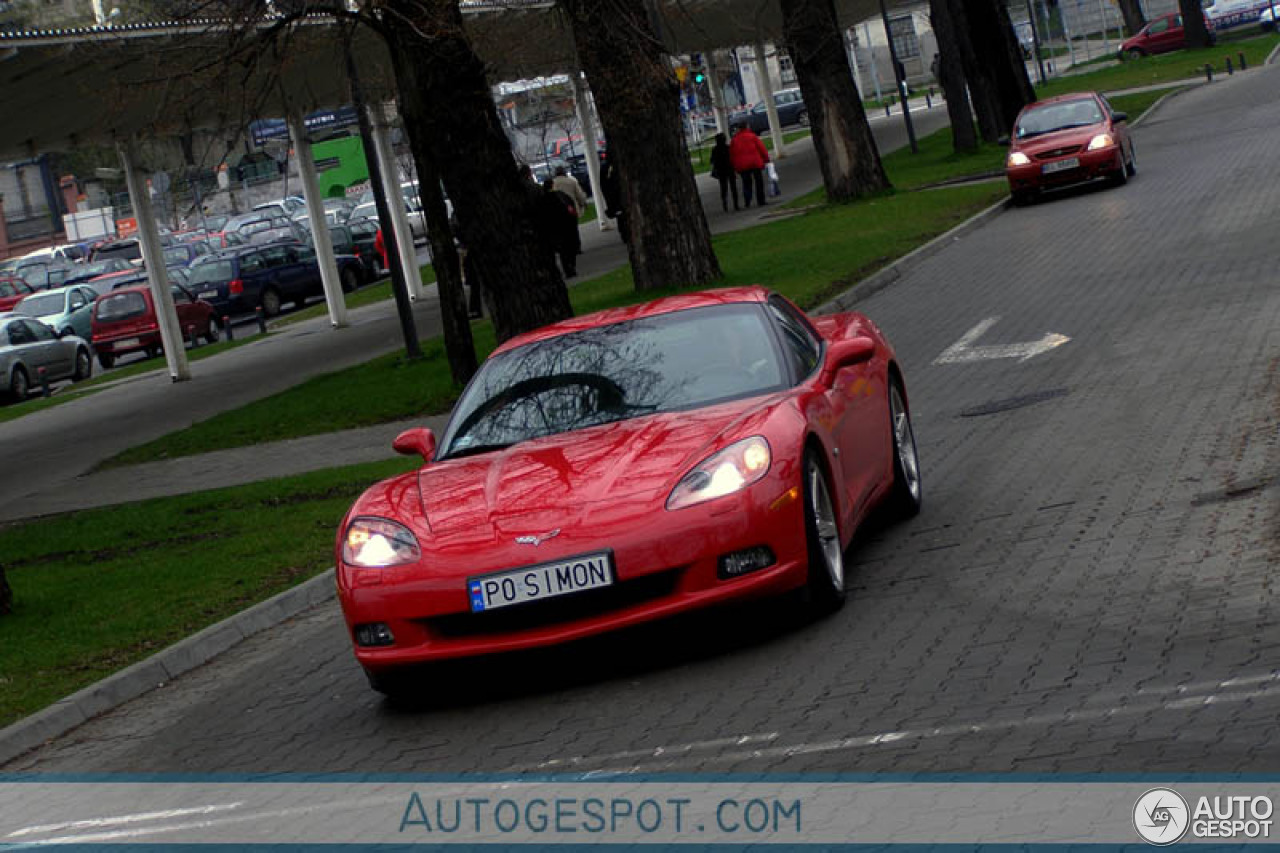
<point>997,406</point>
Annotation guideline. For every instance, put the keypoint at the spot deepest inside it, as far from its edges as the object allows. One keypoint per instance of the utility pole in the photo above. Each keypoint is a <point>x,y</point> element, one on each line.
<point>899,77</point>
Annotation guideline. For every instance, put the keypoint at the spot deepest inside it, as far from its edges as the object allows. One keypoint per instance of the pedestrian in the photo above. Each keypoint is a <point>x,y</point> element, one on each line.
<point>611,189</point>
<point>722,171</point>
<point>749,156</point>
<point>568,184</point>
<point>558,218</point>
<point>380,247</point>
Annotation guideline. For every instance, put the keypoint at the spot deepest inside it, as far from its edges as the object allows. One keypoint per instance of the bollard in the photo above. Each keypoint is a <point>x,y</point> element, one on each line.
<point>192,337</point>
<point>262,320</point>
<point>928,100</point>
<point>886,108</point>
<point>226,324</point>
<point>44,382</point>
<point>1244,66</point>
<point>1230,70</point>
<point>1208,72</point>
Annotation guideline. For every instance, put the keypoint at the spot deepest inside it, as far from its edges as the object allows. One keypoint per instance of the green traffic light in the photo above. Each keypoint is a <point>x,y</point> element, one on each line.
<point>699,77</point>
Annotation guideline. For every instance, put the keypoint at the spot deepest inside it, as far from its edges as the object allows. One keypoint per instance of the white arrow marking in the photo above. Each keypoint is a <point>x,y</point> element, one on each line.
<point>963,350</point>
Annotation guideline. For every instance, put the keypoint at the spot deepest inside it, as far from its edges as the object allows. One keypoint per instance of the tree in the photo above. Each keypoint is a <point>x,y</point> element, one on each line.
<point>1134,20</point>
<point>1193,23</point>
<point>842,137</point>
<point>6,595</point>
<point>637,96</point>
<point>993,64</point>
<point>949,70</point>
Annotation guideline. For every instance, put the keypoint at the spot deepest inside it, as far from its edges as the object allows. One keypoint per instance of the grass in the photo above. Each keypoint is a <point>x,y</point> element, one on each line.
<point>101,589</point>
<point>588,213</point>
<point>367,295</point>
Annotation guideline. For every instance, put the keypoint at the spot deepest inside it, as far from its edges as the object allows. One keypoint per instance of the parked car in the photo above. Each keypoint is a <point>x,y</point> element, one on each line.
<point>626,466</point>
<point>91,270</point>
<point>1067,140</point>
<point>1160,35</point>
<point>358,239</point>
<point>43,273</point>
<point>27,346</point>
<point>182,254</point>
<point>284,231</point>
<point>130,249</point>
<point>1228,14</point>
<point>240,280</point>
<point>791,110</point>
<point>1267,17</point>
<point>417,222</point>
<point>285,207</point>
<point>66,310</point>
<point>124,321</point>
<point>12,290</point>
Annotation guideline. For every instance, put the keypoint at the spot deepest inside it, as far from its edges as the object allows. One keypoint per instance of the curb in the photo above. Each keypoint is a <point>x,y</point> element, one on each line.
<point>164,666</point>
<point>1271,57</point>
<point>1160,102</point>
<point>876,282</point>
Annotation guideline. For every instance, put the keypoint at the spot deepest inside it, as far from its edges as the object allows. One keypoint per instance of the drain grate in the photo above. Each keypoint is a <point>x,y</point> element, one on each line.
<point>1018,402</point>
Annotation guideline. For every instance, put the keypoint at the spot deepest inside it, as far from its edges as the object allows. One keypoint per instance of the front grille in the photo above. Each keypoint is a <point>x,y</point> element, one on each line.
<point>568,608</point>
<point>1058,152</point>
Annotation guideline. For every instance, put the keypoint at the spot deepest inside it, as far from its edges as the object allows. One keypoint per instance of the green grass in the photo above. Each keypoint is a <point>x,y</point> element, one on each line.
<point>100,589</point>
<point>1166,68</point>
<point>367,295</point>
<point>809,258</point>
<point>588,213</point>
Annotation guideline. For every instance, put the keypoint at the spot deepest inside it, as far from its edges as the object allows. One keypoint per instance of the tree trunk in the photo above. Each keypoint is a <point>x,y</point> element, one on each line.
<point>452,123</point>
<point>1193,23</point>
<point>993,63</point>
<point>6,595</point>
<point>637,96</point>
<point>846,149</point>
<point>950,74</point>
<point>1134,20</point>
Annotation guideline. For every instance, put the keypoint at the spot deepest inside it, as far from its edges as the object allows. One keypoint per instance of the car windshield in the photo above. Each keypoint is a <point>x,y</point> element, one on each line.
<point>211,271</point>
<point>41,305</point>
<point>119,306</point>
<point>98,268</point>
<point>176,255</point>
<point>1081,112</point>
<point>128,251</point>
<point>670,362</point>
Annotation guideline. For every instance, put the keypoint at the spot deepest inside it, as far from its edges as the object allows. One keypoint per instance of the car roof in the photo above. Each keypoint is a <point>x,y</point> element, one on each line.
<point>700,299</point>
<point>133,288</point>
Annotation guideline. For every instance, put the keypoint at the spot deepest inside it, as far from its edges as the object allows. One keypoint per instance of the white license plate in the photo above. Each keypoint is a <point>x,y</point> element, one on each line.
<point>208,294</point>
<point>549,580</point>
<point>124,342</point>
<point>1060,166</point>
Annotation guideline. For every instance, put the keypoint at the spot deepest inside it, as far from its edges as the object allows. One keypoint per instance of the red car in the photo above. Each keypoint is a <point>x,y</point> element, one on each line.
<point>626,466</point>
<point>1160,35</point>
<point>124,321</point>
<point>1067,140</point>
<point>12,291</point>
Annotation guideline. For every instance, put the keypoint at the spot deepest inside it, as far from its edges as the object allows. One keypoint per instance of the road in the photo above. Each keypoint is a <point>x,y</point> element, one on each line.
<point>46,450</point>
<point>1089,587</point>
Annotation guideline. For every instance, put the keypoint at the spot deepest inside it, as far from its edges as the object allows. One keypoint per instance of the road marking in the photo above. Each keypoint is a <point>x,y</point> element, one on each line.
<point>121,820</point>
<point>964,351</point>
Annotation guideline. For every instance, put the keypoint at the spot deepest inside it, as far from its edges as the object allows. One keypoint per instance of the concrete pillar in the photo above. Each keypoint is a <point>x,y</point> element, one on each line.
<point>717,94</point>
<point>4,232</point>
<point>171,337</point>
<point>590,141</point>
<point>320,238</point>
<point>766,90</point>
<point>408,259</point>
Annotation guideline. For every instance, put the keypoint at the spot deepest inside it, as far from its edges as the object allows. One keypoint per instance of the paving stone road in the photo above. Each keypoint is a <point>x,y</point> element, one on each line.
<point>1089,588</point>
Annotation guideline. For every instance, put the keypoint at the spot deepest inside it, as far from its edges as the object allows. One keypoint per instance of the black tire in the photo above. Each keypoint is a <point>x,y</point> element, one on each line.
<point>19,384</point>
<point>1131,168</point>
<point>1024,198</point>
<point>824,591</point>
<point>1120,176</point>
<point>396,684</point>
<point>1134,54</point>
<point>155,352</point>
<point>906,495</point>
<point>271,302</point>
<point>106,359</point>
<point>213,333</point>
<point>84,366</point>
<point>350,279</point>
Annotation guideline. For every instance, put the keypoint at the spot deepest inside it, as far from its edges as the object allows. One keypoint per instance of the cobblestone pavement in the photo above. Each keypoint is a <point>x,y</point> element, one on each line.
<point>1089,588</point>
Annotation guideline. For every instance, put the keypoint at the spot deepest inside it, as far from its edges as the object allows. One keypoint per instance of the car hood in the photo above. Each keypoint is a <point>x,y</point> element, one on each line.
<point>554,480</point>
<point>1071,137</point>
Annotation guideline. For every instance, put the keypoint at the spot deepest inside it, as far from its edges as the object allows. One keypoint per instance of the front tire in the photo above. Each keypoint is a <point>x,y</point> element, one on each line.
<point>19,384</point>
<point>906,494</point>
<point>1135,54</point>
<point>824,592</point>
<point>84,366</point>
<point>803,118</point>
<point>270,302</point>
<point>350,280</point>
<point>213,334</point>
<point>1131,168</point>
<point>106,359</point>
<point>397,685</point>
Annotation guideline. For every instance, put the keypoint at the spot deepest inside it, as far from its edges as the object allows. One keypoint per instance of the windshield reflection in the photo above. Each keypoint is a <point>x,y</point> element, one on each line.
<point>1059,116</point>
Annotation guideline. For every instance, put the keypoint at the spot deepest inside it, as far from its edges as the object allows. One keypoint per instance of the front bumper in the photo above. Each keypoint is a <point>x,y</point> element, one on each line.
<point>1102,163</point>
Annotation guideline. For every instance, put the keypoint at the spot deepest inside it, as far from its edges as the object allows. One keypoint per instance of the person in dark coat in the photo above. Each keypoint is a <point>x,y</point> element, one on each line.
<point>611,189</point>
<point>722,170</point>
<point>559,223</point>
<point>749,157</point>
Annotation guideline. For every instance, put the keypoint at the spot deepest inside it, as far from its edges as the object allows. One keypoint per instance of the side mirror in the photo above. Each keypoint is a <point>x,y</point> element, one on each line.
<point>1119,117</point>
<point>1004,140</point>
<point>846,353</point>
<point>418,441</point>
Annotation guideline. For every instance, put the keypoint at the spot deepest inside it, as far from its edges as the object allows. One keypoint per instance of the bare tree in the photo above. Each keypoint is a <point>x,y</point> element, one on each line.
<point>846,149</point>
<point>949,70</point>
<point>1193,23</point>
<point>637,97</point>
<point>1134,20</point>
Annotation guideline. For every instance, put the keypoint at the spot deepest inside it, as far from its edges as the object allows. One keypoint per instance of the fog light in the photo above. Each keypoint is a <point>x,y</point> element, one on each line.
<point>749,560</point>
<point>374,634</point>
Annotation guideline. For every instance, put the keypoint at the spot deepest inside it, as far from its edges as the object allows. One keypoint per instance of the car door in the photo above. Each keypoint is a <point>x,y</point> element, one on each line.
<point>47,352</point>
<point>282,271</point>
<point>189,315</point>
<point>81,307</point>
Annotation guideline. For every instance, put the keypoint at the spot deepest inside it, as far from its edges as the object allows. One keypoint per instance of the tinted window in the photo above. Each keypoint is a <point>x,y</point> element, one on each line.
<point>121,306</point>
<point>42,332</point>
<point>1158,27</point>
<point>1079,112</point>
<point>176,255</point>
<point>797,337</point>
<point>673,361</point>
<point>20,334</point>
<point>251,263</point>
<point>274,257</point>
<point>211,271</point>
<point>127,251</point>
<point>6,289</point>
<point>78,299</point>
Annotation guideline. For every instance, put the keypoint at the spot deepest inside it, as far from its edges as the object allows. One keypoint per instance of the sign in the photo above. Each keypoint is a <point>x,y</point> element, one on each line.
<point>127,227</point>
<point>264,130</point>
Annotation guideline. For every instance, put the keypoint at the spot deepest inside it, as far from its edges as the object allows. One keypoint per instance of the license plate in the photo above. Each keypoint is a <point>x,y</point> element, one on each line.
<point>124,342</point>
<point>208,294</point>
<point>1061,165</point>
<point>548,580</point>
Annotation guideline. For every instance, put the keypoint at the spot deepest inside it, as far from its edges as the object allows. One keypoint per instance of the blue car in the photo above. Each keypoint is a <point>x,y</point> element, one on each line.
<point>242,279</point>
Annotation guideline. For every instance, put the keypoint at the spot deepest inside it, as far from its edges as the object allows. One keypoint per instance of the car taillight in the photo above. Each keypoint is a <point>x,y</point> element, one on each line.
<point>236,286</point>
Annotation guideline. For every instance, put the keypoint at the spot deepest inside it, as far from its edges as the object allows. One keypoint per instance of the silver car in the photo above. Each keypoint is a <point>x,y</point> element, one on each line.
<point>27,346</point>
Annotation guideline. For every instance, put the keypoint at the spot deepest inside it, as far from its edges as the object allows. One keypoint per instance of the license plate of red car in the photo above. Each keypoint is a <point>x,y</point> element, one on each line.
<point>1060,165</point>
<point>533,583</point>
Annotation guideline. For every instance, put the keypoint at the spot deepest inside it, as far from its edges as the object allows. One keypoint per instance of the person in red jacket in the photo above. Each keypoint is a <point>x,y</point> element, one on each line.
<point>381,248</point>
<point>749,156</point>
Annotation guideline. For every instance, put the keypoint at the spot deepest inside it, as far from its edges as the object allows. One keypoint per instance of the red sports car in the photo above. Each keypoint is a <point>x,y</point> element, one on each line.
<point>1066,140</point>
<point>625,466</point>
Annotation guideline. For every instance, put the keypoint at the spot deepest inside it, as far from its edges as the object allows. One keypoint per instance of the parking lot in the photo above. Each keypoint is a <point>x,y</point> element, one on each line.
<point>1088,588</point>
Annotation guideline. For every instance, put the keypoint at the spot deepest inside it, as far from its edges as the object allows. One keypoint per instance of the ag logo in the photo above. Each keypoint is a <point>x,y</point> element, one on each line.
<point>1161,816</point>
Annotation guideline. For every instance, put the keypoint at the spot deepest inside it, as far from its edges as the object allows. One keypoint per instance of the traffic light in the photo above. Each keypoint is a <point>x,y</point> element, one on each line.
<point>699,77</point>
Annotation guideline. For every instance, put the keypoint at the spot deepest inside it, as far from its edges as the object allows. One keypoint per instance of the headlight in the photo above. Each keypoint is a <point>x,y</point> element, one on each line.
<point>1102,140</point>
<point>1017,158</point>
<point>731,470</point>
<point>375,543</point>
